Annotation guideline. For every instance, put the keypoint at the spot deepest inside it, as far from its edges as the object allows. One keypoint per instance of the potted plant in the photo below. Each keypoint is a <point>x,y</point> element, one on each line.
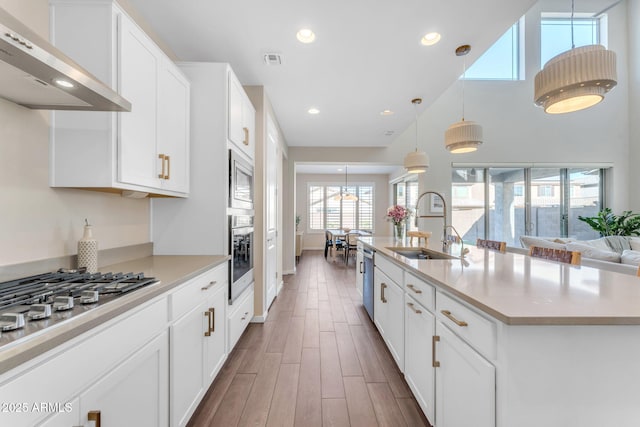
<point>608,224</point>
<point>297,221</point>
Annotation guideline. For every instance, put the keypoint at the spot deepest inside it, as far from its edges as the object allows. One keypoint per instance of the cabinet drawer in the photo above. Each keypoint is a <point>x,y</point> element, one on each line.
<point>241,315</point>
<point>477,330</point>
<point>392,270</point>
<point>197,289</point>
<point>420,290</point>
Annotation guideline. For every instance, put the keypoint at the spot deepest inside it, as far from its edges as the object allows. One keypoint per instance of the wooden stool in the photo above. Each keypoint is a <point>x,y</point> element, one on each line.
<point>420,235</point>
<point>569,257</point>
<point>492,244</point>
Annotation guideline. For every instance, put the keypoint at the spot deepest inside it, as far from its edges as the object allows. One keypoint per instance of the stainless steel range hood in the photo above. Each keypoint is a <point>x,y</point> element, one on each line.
<point>35,74</point>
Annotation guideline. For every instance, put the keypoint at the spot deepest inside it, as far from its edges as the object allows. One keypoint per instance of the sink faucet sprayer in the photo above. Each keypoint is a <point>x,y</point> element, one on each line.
<point>445,240</point>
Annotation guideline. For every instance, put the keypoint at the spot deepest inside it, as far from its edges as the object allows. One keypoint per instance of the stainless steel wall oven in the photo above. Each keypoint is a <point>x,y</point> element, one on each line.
<point>240,182</point>
<point>241,251</point>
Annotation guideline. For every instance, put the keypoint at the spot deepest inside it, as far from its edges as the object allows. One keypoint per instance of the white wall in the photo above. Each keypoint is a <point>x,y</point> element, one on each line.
<point>38,222</point>
<point>633,13</point>
<point>315,240</point>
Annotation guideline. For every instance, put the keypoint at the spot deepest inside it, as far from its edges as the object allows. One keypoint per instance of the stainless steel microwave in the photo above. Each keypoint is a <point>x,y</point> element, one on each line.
<point>240,182</point>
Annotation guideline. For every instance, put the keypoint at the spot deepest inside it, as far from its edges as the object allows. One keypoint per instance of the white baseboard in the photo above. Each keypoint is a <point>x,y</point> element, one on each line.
<point>259,319</point>
<point>288,272</point>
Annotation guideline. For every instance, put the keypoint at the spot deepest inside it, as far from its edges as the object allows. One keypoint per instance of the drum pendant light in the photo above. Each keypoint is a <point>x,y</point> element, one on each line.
<point>345,195</point>
<point>463,136</point>
<point>575,79</point>
<point>416,161</point>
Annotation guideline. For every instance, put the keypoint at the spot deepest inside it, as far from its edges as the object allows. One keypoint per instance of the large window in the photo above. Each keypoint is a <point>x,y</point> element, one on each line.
<point>328,210</point>
<point>506,203</point>
<point>555,34</point>
<point>502,60</point>
<point>406,194</point>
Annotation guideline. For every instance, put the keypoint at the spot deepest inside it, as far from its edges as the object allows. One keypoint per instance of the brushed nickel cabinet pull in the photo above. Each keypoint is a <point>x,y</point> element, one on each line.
<point>168,175</point>
<point>161,174</point>
<point>449,316</point>
<point>413,288</point>
<point>212,319</point>
<point>412,307</point>
<point>204,288</point>
<point>208,316</point>
<point>245,141</point>
<point>434,362</point>
<point>94,416</point>
<point>382,288</point>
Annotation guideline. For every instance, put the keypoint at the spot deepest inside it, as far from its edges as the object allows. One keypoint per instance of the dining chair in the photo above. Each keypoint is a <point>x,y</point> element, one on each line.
<point>329,243</point>
<point>352,245</point>
<point>492,244</point>
<point>569,257</point>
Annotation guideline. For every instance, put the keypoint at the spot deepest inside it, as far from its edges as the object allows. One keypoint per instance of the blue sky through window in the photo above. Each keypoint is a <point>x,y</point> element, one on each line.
<point>555,35</point>
<point>500,62</point>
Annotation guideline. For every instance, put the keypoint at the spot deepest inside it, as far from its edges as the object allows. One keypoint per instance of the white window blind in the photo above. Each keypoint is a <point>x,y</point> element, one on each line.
<point>328,210</point>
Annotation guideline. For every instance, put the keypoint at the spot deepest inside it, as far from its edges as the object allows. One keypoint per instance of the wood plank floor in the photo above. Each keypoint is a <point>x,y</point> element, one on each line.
<point>317,361</point>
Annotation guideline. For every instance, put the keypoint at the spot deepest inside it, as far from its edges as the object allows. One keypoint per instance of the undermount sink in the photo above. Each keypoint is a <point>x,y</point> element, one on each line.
<point>420,253</point>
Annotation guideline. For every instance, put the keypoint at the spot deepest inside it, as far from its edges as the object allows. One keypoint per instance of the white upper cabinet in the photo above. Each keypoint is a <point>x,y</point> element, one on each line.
<point>242,117</point>
<point>145,150</point>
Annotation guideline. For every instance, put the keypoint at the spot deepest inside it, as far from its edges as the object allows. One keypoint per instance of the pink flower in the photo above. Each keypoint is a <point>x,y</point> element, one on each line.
<point>398,214</point>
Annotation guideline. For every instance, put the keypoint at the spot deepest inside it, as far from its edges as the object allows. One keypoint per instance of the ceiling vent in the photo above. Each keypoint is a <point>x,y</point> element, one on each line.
<point>272,59</point>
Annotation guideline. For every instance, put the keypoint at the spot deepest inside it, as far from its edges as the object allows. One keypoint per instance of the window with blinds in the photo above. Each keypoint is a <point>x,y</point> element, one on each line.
<point>328,210</point>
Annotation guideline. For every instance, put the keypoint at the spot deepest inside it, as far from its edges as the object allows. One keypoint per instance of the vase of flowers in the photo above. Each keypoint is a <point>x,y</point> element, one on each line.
<point>398,214</point>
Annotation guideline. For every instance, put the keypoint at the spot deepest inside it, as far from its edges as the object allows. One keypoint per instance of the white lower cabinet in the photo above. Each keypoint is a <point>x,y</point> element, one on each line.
<point>240,314</point>
<point>198,339</point>
<point>132,394</point>
<point>465,384</point>
<point>419,329</point>
<point>388,313</point>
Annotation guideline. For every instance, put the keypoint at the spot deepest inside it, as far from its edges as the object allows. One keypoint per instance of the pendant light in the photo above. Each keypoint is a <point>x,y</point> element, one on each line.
<point>463,136</point>
<point>575,79</point>
<point>345,195</point>
<point>416,161</point>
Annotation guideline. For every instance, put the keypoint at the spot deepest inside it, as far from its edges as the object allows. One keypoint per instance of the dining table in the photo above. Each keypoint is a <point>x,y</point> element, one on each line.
<point>341,234</point>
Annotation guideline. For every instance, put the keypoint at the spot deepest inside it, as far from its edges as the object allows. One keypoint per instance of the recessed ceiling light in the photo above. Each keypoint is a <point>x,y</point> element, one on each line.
<point>63,83</point>
<point>339,169</point>
<point>430,39</point>
<point>313,111</point>
<point>386,112</point>
<point>305,35</point>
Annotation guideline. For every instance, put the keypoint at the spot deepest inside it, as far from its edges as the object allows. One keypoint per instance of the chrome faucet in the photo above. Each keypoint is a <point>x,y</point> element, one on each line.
<point>445,239</point>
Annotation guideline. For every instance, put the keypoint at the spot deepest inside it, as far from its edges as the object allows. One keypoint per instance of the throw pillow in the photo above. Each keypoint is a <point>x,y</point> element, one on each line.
<point>589,251</point>
<point>630,257</point>
<point>541,242</point>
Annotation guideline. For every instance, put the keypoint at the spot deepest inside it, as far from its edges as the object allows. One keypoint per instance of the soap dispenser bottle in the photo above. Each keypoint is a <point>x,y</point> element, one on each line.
<point>88,250</point>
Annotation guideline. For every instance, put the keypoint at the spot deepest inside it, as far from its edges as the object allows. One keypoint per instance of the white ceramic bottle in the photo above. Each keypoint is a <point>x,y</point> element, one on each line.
<point>88,250</point>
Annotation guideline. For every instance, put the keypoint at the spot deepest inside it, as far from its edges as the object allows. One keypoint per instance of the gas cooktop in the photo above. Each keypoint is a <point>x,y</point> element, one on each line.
<point>31,304</point>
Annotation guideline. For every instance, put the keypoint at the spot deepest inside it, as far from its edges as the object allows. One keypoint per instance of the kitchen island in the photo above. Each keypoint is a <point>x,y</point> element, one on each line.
<point>511,340</point>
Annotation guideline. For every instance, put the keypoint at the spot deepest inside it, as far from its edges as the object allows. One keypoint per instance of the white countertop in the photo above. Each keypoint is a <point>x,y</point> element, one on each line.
<point>171,270</point>
<point>520,290</point>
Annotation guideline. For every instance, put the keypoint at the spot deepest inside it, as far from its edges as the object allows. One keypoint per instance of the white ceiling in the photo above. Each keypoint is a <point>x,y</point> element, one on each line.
<point>367,56</point>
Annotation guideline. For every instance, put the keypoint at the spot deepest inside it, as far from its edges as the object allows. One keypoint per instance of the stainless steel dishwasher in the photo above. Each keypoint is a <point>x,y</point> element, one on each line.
<point>367,289</point>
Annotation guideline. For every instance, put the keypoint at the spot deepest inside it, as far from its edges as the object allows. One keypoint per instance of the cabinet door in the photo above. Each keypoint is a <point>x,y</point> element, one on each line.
<point>69,416</point>
<point>135,392</point>
<point>215,342</point>
<point>187,353</point>
<point>173,127</point>
<point>248,127</point>
<point>380,301</point>
<point>465,384</point>
<point>395,323</point>
<point>137,160</point>
<point>236,94</point>
<point>419,330</point>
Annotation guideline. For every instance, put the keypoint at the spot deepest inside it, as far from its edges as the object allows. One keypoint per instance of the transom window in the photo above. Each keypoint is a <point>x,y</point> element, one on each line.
<point>328,210</point>
<point>555,34</point>
<point>502,60</point>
